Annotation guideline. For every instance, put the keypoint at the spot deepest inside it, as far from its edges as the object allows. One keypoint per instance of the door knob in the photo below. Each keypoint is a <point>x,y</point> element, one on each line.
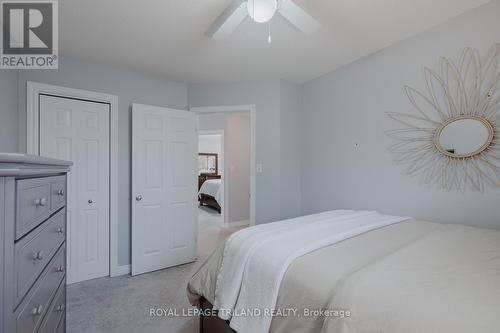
<point>40,202</point>
<point>38,255</point>
<point>37,311</point>
<point>90,201</point>
<point>139,197</point>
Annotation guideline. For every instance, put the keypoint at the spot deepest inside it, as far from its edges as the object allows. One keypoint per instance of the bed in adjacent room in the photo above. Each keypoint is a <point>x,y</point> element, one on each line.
<point>345,271</point>
<point>210,194</point>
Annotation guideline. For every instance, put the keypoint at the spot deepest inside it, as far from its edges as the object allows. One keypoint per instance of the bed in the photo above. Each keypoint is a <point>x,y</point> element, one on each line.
<point>210,194</point>
<point>406,276</point>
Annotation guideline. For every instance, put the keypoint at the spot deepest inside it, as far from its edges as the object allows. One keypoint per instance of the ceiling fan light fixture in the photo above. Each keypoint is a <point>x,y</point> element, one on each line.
<point>262,11</point>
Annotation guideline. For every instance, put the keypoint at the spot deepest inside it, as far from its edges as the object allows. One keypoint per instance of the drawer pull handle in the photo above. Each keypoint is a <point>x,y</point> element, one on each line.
<point>38,255</point>
<point>60,308</point>
<point>60,192</point>
<point>40,202</point>
<point>60,230</point>
<point>60,269</point>
<point>37,311</point>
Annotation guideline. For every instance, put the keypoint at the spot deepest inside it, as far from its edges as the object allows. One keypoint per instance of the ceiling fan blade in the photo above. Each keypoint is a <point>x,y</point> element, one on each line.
<point>229,20</point>
<point>297,17</point>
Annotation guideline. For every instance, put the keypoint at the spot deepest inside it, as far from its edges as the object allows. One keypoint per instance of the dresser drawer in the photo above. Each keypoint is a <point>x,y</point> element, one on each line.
<point>56,311</point>
<point>33,309</point>
<point>32,253</point>
<point>36,199</point>
<point>32,204</point>
<point>57,192</point>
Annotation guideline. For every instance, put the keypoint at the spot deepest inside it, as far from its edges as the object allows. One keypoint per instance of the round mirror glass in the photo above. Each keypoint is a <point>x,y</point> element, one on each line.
<point>464,137</point>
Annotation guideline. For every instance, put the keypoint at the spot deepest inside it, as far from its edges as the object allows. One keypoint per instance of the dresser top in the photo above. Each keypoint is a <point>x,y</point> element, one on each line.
<point>12,164</point>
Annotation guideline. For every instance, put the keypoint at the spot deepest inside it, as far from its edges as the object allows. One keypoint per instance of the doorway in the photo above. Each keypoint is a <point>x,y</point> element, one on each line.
<point>224,163</point>
<point>252,111</point>
<point>211,171</point>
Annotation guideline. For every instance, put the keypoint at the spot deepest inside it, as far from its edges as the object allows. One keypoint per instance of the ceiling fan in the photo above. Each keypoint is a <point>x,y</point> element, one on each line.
<point>261,11</point>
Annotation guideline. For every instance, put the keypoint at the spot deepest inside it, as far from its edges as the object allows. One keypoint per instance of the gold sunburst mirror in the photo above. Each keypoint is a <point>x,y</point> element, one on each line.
<point>451,140</point>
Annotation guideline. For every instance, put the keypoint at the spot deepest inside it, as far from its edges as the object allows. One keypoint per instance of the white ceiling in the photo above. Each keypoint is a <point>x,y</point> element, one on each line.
<point>166,37</point>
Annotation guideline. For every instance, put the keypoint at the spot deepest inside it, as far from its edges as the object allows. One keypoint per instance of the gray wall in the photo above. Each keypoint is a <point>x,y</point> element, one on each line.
<point>130,87</point>
<point>290,137</point>
<point>346,163</point>
<point>8,111</point>
<point>211,122</point>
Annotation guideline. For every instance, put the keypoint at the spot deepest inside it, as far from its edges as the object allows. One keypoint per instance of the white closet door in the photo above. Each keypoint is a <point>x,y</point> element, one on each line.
<point>164,178</point>
<point>79,131</point>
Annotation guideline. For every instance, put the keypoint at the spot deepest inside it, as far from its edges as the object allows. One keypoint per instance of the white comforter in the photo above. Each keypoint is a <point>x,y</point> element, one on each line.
<point>212,187</point>
<point>255,260</point>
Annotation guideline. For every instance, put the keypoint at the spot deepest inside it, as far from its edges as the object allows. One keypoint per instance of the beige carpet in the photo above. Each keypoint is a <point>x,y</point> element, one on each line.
<point>122,304</point>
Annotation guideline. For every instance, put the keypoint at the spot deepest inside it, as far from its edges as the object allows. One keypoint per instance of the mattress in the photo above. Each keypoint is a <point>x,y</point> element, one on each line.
<point>414,276</point>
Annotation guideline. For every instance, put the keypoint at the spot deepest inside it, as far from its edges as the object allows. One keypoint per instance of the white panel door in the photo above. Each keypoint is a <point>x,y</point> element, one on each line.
<point>164,188</point>
<point>78,131</point>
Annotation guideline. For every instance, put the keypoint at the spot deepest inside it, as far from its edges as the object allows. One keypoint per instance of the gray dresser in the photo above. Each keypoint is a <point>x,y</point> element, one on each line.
<point>33,249</point>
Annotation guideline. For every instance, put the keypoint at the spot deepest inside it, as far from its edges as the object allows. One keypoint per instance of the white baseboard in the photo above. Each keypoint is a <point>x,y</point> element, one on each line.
<point>242,223</point>
<point>120,270</point>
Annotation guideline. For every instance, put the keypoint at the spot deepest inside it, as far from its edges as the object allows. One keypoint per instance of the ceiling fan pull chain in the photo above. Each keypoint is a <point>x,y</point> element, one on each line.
<point>253,10</point>
<point>269,39</point>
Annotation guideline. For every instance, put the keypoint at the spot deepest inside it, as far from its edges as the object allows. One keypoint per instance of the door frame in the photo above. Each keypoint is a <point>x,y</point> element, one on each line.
<point>33,91</point>
<point>252,109</point>
<point>222,174</point>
